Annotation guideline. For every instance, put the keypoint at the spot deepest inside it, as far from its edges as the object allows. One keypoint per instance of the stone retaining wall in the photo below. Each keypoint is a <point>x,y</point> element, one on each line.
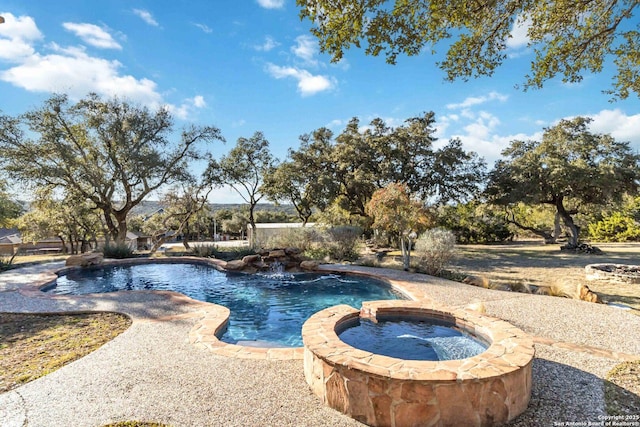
<point>488,389</point>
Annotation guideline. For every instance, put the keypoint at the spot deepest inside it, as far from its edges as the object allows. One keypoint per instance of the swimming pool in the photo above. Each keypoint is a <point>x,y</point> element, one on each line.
<point>266,310</point>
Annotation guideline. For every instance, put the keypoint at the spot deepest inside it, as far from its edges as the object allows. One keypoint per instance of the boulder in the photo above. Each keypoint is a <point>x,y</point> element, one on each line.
<point>84,260</point>
<point>235,265</point>
<point>476,281</point>
<point>309,265</point>
<point>292,251</point>
<point>585,294</point>
<point>249,259</point>
<point>277,253</point>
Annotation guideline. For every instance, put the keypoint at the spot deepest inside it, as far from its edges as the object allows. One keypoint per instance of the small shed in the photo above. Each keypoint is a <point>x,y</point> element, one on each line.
<point>9,241</point>
<point>138,241</point>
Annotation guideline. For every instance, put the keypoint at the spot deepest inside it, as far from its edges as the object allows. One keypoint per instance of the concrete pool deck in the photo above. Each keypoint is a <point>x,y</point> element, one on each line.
<point>153,372</point>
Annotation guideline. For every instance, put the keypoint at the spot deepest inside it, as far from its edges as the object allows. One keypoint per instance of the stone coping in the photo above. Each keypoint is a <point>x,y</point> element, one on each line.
<point>509,348</point>
<point>211,318</point>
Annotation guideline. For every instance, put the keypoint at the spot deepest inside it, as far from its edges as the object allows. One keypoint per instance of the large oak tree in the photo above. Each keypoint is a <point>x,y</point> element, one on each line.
<point>110,152</point>
<point>349,168</point>
<point>570,169</point>
<point>568,38</point>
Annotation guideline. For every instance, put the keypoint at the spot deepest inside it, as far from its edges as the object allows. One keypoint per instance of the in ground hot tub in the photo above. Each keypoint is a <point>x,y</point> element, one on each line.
<point>491,387</point>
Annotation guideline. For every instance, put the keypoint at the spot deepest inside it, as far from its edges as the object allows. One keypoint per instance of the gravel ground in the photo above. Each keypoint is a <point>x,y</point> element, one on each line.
<point>151,372</point>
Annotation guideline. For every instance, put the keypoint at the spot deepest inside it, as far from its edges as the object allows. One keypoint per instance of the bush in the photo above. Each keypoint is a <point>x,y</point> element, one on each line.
<point>435,249</point>
<point>343,242</point>
<point>615,228</point>
<point>336,243</point>
<point>5,264</point>
<point>226,255</point>
<point>474,222</point>
<point>303,238</point>
<point>208,251</point>
<point>117,251</point>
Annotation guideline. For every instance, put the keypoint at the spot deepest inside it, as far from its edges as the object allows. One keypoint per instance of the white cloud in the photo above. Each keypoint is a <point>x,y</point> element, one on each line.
<point>186,109</point>
<point>146,16</point>
<point>204,28</point>
<point>519,37</point>
<point>93,35</point>
<point>17,35</point>
<point>271,4</point>
<point>74,72</point>
<point>199,102</point>
<point>477,100</point>
<point>620,125</point>
<point>308,84</point>
<point>71,70</point>
<point>269,44</point>
<point>306,48</point>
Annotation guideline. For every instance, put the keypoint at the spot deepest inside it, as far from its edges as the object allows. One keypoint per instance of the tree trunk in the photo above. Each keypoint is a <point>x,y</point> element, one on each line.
<point>405,245</point>
<point>548,238</point>
<point>64,245</point>
<point>568,221</point>
<point>121,237</point>
<point>252,221</point>
<point>185,239</point>
<point>557,229</point>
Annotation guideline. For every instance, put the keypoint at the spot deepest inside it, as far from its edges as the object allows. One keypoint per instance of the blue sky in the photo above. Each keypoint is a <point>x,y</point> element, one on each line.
<point>253,65</point>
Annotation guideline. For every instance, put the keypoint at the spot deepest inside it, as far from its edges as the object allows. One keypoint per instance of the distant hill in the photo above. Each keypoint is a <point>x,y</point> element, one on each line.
<point>150,206</point>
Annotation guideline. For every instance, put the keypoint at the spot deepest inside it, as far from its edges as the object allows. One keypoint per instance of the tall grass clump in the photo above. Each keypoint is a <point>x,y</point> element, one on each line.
<point>435,249</point>
<point>5,263</point>
<point>117,251</point>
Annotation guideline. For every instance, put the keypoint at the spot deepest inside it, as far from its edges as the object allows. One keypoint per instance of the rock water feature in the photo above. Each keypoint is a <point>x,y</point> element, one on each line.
<point>285,259</point>
<point>490,388</point>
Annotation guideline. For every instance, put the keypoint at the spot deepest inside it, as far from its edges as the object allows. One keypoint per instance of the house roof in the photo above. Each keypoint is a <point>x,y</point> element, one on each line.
<point>8,232</point>
<point>12,239</point>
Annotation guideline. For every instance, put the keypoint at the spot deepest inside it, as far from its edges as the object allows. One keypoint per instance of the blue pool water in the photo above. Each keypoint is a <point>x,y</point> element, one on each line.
<point>264,308</point>
<point>411,340</point>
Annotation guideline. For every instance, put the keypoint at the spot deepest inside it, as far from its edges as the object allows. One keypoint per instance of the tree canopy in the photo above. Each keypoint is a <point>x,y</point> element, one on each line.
<point>395,212</point>
<point>349,168</point>
<point>570,169</point>
<point>244,168</point>
<point>568,38</point>
<point>9,208</point>
<point>109,152</point>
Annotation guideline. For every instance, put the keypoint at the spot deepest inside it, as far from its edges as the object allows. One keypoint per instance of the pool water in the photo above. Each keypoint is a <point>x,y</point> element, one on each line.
<point>411,339</point>
<point>266,310</point>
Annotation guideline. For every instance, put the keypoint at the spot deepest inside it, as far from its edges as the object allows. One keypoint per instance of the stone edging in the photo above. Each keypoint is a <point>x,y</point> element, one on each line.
<point>595,272</point>
<point>491,387</point>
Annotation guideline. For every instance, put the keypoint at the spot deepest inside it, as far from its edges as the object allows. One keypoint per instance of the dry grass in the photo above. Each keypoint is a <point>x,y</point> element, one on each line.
<point>622,390</point>
<point>532,263</point>
<point>33,345</point>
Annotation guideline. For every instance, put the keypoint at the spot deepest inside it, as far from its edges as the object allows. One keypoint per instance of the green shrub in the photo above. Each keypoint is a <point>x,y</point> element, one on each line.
<point>617,227</point>
<point>474,222</point>
<point>117,251</point>
<point>5,264</point>
<point>226,254</point>
<point>435,249</point>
